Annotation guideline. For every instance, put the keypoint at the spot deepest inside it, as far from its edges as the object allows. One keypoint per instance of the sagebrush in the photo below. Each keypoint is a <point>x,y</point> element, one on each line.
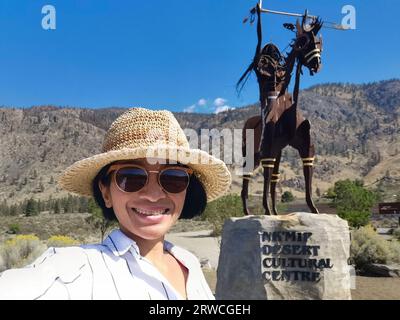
<point>368,247</point>
<point>20,251</point>
<point>221,209</point>
<point>61,241</point>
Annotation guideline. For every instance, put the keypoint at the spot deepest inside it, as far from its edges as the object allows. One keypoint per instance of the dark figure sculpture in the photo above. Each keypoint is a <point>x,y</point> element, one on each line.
<point>283,124</point>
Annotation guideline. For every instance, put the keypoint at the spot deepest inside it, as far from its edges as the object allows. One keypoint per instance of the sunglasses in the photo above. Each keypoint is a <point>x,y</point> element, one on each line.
<point>133,178</point>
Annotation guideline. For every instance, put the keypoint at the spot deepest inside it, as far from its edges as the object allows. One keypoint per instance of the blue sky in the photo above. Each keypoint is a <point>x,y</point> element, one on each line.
<point>176,54</point>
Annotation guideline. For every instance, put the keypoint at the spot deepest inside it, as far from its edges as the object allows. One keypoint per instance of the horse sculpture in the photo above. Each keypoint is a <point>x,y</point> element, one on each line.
<point>281,123</point>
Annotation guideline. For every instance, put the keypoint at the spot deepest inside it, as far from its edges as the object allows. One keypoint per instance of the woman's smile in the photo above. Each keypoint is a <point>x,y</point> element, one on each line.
<point>150,219</point>
<point>151,215</point>
<point>152,211</point>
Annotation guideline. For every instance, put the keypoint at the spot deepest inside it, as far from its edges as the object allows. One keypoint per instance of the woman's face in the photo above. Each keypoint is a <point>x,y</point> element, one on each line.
<point>148,213</point>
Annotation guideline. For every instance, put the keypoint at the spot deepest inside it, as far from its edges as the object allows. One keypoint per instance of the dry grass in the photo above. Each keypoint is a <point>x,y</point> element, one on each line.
<point>73,225</point>
<point>46,225</point>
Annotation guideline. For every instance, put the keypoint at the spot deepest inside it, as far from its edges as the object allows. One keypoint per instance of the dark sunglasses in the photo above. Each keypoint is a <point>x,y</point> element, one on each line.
<point>133,178</point>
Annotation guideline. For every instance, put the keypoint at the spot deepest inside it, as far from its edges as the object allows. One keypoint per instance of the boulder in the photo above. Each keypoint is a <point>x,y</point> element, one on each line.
<point>299,256</point>
<point>382,270</point>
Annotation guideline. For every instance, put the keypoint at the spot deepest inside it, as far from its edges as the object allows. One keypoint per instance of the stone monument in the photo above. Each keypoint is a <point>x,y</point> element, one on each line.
<point>299,256</point>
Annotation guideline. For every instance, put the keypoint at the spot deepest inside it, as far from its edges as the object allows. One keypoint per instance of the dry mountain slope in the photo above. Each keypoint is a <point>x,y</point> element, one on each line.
<point>355,127</point>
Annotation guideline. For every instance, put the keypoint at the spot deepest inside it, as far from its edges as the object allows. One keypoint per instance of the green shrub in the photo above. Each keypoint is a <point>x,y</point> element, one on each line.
<point>353,202</point>
<point>355,218</point>
<point>13,228</point>
<point>221,209</point>
<point>330,194</point>
<point>368,247</point>
<point>287,196</point>
<point>61,241</point>
<point>20,251</point>
<point>395,251</point>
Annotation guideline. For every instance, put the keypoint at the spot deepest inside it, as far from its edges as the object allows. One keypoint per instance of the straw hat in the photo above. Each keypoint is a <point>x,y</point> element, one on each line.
<point>142,133</point>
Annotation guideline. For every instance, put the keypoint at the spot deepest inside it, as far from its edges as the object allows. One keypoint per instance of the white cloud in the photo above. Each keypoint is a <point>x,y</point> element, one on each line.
<point>190,109</point>
<point>223,108</point>
<point>202,102</point>
<point>219,102</point>
<point>219,105</point>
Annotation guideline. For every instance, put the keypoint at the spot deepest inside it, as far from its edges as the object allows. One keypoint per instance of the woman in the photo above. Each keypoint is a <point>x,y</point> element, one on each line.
<point>147,177</point>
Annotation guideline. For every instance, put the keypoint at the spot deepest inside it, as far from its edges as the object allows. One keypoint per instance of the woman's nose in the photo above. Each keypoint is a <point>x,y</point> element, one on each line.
<point>152,191</point>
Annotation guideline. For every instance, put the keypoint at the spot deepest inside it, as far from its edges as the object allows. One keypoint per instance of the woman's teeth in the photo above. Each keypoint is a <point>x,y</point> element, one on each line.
<point>150,212</point>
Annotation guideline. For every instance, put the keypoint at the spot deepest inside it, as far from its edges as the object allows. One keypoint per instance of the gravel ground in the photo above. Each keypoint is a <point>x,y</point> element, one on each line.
<point>367,288</point>
<point>204,247</point>
<point>376,288</point>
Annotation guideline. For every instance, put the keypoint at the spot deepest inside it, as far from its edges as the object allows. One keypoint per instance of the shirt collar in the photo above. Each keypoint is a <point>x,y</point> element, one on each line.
<point>176,251</point>
<point>119,243</point>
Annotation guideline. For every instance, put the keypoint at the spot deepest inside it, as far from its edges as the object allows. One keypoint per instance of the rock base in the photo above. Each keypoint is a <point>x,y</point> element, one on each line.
<point>300,256</point>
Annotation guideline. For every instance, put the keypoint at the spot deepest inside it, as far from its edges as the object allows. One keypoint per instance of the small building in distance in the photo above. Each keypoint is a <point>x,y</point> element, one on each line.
<point>389,208</point>
<point>387,213</point>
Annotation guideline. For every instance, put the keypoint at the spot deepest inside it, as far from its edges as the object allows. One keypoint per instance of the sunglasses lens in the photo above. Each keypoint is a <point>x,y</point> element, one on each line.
<point>131,179</point>
<point>174,180</point>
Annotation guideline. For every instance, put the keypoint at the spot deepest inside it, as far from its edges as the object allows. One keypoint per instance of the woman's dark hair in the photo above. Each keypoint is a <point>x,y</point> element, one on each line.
<point>195,200</point>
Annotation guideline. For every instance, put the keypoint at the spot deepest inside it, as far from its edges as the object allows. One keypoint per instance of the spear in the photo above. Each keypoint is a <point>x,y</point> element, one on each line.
<point>326,24</point>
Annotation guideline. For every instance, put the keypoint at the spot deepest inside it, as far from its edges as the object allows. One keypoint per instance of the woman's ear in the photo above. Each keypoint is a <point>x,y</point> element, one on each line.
<point>105,191</point>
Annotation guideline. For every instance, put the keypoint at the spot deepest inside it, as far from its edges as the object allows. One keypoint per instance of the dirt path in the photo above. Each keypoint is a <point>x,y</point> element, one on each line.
<point>368,288</point>
<point>199,243</point>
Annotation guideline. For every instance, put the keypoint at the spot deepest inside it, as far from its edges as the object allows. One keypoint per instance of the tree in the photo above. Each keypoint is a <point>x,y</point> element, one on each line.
<point>287,196</point>
<point>97,219</point>
<point>67,204</point>
<point>353,202</point>
<point>83,205</point>
<point>57,206</point>
<point>31,208</point>
<point>330,194</point>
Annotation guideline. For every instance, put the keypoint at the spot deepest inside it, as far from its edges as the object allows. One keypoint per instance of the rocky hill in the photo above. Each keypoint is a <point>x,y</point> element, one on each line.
<point>356,129</point>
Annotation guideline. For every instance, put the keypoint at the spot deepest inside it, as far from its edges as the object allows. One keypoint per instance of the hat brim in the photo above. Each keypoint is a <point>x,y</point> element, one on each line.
<point>212,172</point>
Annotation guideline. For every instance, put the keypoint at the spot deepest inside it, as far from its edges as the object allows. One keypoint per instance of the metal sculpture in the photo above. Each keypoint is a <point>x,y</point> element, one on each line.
<point>281,123</point>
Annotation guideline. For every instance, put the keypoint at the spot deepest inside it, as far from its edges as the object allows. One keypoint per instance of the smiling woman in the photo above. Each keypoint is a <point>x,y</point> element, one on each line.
<point>146,178</point>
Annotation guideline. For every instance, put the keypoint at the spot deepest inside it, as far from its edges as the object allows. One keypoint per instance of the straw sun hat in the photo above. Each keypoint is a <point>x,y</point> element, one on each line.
<point>142,133</point>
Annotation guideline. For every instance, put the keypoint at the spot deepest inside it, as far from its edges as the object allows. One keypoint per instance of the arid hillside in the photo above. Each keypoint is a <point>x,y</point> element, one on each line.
<point>355,127</point>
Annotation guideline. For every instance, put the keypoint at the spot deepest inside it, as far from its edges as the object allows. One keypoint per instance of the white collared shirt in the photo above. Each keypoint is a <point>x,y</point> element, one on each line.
<point>113,269</point>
